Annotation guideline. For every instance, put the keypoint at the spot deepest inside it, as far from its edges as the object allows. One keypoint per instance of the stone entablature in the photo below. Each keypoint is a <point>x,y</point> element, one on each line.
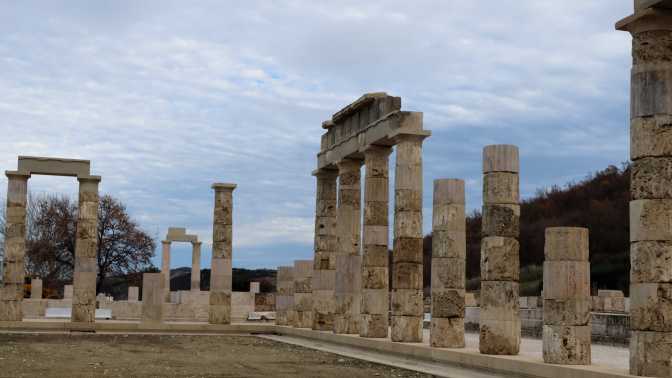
<point>54,166</point>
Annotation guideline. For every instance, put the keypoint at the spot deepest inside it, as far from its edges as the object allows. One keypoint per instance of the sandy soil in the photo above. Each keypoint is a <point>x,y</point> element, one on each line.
<point>93,355</point>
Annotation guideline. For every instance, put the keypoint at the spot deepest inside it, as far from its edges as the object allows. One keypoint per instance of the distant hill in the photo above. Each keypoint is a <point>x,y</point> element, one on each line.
<point>180,279</point>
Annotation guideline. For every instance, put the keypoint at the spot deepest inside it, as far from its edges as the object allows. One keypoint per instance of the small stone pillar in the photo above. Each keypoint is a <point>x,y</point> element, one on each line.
<point>284,300</point>
<point>153,303</point>
<point>303,293</point>
<point>14,255</point>
<point>165,268</point>
<point>566,332</point>
<point>254,287</point>
<point>67,292</point>
<point>650,187</point>
<point>500,263</point>
<point>376,240</point>
<point>325,251</point>
<point>86,252</point>
<point>36,288</point>
<point>196,266</point>
<point>347,286</point>
<point>222,255</point>
<point>448,264</point>
<point>133,294</point>
<point>407,296</point>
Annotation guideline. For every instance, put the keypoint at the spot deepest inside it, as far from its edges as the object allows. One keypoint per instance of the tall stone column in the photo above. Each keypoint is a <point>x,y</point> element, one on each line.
<point>14,253</point>
<point>284,299</point>
<point>303,294</point>
<point>325,251</point>
<point>566,332</point>
<point>651,188</point>
<point>222,255</point>
<point>196,266</point>
<point>347,287</point>
<point>500,262</point>
<point>86,252</point>
<point>407,296</point>
<point>165,268</point>
<point>449,252</point>
<point>376,240</point>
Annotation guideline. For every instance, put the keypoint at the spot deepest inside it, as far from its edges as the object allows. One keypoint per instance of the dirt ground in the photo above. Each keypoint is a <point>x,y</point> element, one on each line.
<point>93,355</point>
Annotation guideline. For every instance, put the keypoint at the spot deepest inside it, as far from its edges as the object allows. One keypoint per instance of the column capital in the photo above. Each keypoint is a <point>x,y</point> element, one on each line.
<point>646,20</point>
<point>196,243</point>
<point>89,179</point>
<point>404,136</point>
<point>17,175</point>
<point>221,187</point>
<point>347,164</point>
<point>166,242</point>
<point>325,173</point>
<point>373,150</point>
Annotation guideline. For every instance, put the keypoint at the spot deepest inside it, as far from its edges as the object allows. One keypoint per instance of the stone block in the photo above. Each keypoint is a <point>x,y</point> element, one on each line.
<point>347,303</point>
<point>407,276</point>
<point>610,293</point>
<point>566,280</point>
<point>10,311</point>
<point>11,291</point>
<point>350,199</point>
<point>324,261</point>
<point>88,210</point>
<point>347,323</point>
<point>285,302</point>
<point>651,261</point>
<point>650,136</point>
<point>570,312</point>
<point>376,235</point>
<point>303,319</point>
<point>566,345</point>
<point>349,244</point>
<point>447,303</point>
<point>407,200</point>
<point>377,189</point>
<point>501,220</point>
<point>221,251</point>
<point>409,152</point>
<point>376,213</point>
<point>649,91</point>
<point>323,321</point>
<point>133,293</point>
<point>449,244</point>
<point>219,298</point>
<point>407,329</point>
<point>14,251</point>
<point>650,220</point>
<point>13,271</point>
<point>406,302</point>
<point>15,231</point>
<point>407,250</point>
<point>374,326</point>
<point>566,244</point>
<point>501,158</point>
<point>501,188</point>
<point>375,277</point>
<point>16,215</point>
<point>407,224</point>
<point>376,255</point>
<point>286,273</point>
<point>219,314</point>
<point>500,300</point>
<point>87,229</point>
<point>325,226</point>
<point>304,285</point>
<point>378,167</point>
<point>375,301</point>
<point>326,186</point>
<point>348,274</point>
<point>448,217</point>
<point>651,46</point>
<point>651,178</point>
<point>651,307</point>
<point>324,280</point>
<point>83,313</point>
<point>67,292</point>
<point>470,300</point>
<point>651,354</point>
<point>285,287</point>
<point>499,337</point>
<point>86,248</point>
<point>284,317</point>
<point>500,259</point>
<point>84,280</point>
<point>448,273</point>
<point>408,176</point>
<point>449,191</point>
<point>303,301</point>
<point>223,198</point>
<point>222,233</point>
<point>446,333</point>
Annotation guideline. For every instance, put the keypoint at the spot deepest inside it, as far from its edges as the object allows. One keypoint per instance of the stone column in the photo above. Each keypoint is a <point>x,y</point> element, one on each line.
<point>86,252</point>
<point>651,188</point>
<point>449,252</point>
<point>222,255</point>
<point>407,296</point>
<point>376,239</point>
<point>196,266</point>
<point>133,294</point>
<point>36,288</point>
<point>500,262</point>
<point>153,303</point>
<point>303,293</point>
<point>325,251</point>
<point>566,331</point>
<point>14,254</point>
<point>347,286</point>
<point>284,299</point>
<point>165,268</point>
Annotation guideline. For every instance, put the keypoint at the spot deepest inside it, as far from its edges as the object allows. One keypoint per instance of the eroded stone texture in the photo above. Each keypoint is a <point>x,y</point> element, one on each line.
<point>567,345</point>
<point>500,188</point>
<point>500,300</point>
<point>570,312</point>
<point>501,220</point>
<point>449,244</point>
<point>448,273</point>
<point>566,280</point>
<point>500,259</point>
<point>447,303</point>
<point>499,337</point>
<point>652,46</point>
<point>407,329</point>
<point>651,354</point>
<point>651,178</point>
<point>447,333</point>
<point>651,307</point>
<point>222,242</point>
<point>651,136</point>
<point>566,244</point>
<point>651,261</point>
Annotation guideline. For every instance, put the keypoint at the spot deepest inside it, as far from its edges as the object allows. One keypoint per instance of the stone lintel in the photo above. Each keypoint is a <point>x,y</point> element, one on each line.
<point>54,166</point>
<point>656,18</point>
<point>223,187</point>
<point>179,234</point>
<point>644,4</point>
<point>355,106</point>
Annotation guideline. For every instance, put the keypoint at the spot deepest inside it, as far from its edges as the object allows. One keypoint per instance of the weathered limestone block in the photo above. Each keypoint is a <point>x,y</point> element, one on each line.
<point>501,158</point>
<point>407,302</point>
<point>500,300</point>
<point>651,261</point>
<point>651,178</point>
<point>499,337</point>
<point>448,272</point>
<point>405,250</point>
<point>652,46</point>
<point>219,314</point>
<point>650,93</point>
<point>651,136</point>
<point>375,301</point>
<point>566,244</point>
<point>446,217</point>
<point>570,312</point>
<point>347,323</point>
<point>304,285</point>
<point>10,311</point>
<point>87,247</point>
<point>501,188</point>
<point>11,291</point>
<point>222,233</point>
<point>500,259</point>
<point>651,354</point>
<point>303,301</point>
<point>501,220</point>
<point>375,277</point>
<point>447,333</point>
<point>448,303</point>
<point>566,280</point>
<point>407,224</point>
<point>15,251</point>
<point>303,319</point>
<point>407,200</point>
<point>407,329</point>
<point>375,255</point>
<point>407,276</point>
<point>13,271</point>
<point>16,215</point>
<point>223,216</point>
<point>650,220</point>
<point>651,307</point>
<point>376,213</point>
<point>449,244</point>
<point>284,317</point>
<point>374,325</point>
<point>566,345</point>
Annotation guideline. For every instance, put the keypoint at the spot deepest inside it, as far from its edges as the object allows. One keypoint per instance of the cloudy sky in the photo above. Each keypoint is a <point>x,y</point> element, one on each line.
<point>166,98</point>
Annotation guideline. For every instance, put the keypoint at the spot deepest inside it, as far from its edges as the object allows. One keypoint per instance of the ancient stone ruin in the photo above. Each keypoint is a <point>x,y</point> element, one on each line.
<point>176,234</point>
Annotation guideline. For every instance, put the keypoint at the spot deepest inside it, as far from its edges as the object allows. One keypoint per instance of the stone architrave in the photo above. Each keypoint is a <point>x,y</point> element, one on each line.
<point>407,295</point>
<point>566,331</point>
<point>325,250</point>
<point>222,255</point>
<point>448,264</point>
<point>651,183</point>
<point>153,304</point>
<point>347,285</point>
<point>165,268</point>
<point>303,294</point>
<point>14,256</point>
<point>375,241</point>
<point>500,264</point>
<point>284,300</point>
<point>196,266</point>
